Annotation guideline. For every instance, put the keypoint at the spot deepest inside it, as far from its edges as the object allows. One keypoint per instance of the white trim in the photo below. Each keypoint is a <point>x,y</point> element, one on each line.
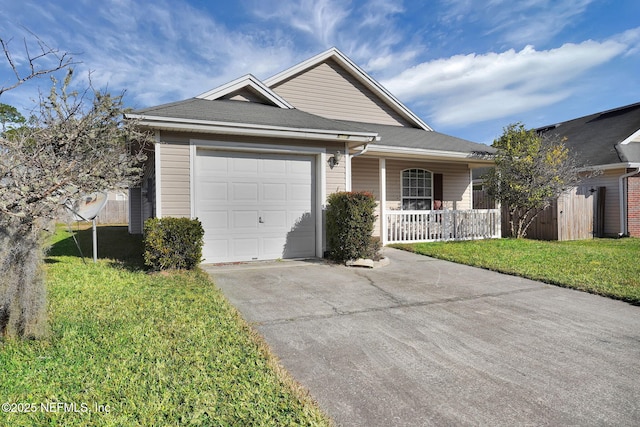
<point>421,152</point>
<point>158,176</point>
<point>321,200</point>
<point>356,72</point>
<point>246,81</point>
<point>382,172</point>
<point>258,148</point>
<point>229,128</point>
<point>623,185</point>
<point>634,137</point>
<point>347,168</point>
<point>192,179</point>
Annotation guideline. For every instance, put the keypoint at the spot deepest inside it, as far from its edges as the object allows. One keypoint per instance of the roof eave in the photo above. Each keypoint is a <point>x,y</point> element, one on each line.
<point>227,128</point>
<point>457,156</point>
<point>610,166</point>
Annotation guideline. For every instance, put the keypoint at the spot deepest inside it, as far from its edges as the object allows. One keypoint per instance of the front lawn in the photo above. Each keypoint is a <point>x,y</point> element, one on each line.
<point>608,267</point>
<point>130,348</point>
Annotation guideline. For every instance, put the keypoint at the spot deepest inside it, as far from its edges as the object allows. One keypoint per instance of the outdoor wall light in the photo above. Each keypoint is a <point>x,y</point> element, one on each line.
<point>335,159</point>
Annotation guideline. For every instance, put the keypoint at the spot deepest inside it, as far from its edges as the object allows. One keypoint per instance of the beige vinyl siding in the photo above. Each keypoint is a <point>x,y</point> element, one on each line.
<point>175,178</point>
<point>456,182</point>
<point>337,176</point>
<point>245,95</point>
<point>609,179</point>
<point>365,176</point>
<point>329,91</point>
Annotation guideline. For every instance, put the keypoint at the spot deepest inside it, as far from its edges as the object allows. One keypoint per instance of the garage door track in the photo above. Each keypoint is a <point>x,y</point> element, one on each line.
<point>428,342</point>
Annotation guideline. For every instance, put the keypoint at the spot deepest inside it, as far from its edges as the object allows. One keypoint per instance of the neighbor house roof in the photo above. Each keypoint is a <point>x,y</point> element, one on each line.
<point>604,138</point>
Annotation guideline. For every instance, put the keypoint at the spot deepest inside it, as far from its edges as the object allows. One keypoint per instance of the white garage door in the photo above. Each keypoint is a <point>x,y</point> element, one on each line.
<point>255,206</point>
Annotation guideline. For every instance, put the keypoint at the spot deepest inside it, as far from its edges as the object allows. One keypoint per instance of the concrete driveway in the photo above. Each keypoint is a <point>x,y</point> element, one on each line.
<point>428,342</point>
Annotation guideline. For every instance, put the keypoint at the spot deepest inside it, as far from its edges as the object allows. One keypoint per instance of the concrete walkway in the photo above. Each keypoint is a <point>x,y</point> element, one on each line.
<point>428,342</point>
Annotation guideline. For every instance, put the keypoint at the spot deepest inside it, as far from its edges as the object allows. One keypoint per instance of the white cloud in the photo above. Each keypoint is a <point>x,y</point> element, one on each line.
<point>518,22</point>
<point>466,89</point>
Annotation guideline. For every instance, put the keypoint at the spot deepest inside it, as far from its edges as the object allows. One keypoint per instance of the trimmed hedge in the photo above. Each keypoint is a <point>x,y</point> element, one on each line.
<point>350,219</point>
<point>173,243</point>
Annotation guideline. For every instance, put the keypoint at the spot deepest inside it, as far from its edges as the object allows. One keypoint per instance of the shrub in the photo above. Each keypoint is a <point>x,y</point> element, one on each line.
<point>350,219</point>
<point>173,243</point>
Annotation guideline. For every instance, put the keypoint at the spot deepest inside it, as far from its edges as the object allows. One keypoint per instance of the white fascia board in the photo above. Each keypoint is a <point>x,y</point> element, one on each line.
<point>634,137</point>
<point>359,74</point>
<point>228,128</point>
<point>420,152</point>
<point>624,165</point>
<point>247,81</point>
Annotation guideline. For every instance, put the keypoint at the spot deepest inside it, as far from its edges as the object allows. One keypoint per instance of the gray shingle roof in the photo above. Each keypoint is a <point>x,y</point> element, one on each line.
<point>398,136</point>
<point>259,114</point>
<point>244,113</point>
<point>595,138</point>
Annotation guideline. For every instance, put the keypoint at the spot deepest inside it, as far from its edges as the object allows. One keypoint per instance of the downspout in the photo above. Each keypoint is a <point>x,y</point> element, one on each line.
<point>624,232</point>
<point>361,152</point>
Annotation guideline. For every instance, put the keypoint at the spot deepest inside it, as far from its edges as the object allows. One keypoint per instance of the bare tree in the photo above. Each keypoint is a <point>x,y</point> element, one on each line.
<point>78,143</point>
<point>41,62</point>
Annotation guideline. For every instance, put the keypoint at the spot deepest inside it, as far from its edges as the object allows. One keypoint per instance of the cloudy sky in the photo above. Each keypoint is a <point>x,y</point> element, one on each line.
<point>467,67</point>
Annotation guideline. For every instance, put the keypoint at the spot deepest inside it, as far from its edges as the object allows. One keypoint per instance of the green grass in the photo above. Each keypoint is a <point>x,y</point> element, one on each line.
<point>608,267</point>
<point>140,349</point>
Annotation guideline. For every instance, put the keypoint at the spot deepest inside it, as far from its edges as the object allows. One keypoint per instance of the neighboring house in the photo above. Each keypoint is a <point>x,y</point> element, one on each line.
<point>609,143</point>
<point>255,160</point>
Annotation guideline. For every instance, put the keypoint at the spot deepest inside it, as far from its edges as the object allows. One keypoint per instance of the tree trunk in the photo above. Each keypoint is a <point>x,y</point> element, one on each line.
<point>23,310</point>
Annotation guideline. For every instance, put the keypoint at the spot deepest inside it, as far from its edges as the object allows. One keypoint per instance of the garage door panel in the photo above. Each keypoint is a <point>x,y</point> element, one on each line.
<point>244,166</point>
<point>244,191</point>
<point>299,193</point>
<point>274,219</point>
<point>244,219</point>
<point>274,167</point>
<point>257,206</point>
<point>273,192</point>
<point>246,248</point>
<point>216,220</point>
<point>215,191</point>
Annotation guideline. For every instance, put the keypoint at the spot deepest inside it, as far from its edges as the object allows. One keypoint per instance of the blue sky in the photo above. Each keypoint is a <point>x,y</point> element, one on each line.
<point>468,68</point>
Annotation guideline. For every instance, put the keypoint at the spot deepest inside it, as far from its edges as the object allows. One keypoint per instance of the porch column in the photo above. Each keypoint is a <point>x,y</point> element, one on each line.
<point>382,170</point>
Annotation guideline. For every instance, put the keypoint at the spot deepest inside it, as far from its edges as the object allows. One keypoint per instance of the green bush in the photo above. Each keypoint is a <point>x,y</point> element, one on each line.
<point>173,243</point>
<point>350,220</point>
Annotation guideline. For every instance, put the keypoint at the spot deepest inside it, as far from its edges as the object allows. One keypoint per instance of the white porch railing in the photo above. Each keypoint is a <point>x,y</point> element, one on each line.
<point>441,225</point>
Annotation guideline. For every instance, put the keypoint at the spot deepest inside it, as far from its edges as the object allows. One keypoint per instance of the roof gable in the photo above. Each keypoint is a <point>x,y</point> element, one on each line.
<point>366,85</point>
<point>247,88</point>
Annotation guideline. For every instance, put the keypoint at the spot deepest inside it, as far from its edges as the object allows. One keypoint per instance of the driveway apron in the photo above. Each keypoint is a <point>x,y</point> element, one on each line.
<point>428,342</point>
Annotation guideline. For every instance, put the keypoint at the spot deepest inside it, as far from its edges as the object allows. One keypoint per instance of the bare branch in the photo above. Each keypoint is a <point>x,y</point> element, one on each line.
<point>61,60</point>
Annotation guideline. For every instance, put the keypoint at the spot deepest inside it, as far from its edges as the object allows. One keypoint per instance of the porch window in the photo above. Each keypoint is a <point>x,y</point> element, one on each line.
<point>417,189</point>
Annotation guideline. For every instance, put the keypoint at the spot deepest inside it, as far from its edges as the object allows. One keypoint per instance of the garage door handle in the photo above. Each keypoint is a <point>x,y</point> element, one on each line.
<point>260,220</point>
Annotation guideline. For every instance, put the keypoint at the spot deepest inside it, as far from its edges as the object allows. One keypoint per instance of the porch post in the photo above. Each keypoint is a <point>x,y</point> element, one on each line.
<point>382,170</point>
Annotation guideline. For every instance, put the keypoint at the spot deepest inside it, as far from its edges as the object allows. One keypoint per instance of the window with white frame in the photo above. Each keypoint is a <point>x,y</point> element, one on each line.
<point>417,189</point>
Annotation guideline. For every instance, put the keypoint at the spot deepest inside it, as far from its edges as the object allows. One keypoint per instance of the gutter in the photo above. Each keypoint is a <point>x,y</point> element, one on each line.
<point>624,232</point>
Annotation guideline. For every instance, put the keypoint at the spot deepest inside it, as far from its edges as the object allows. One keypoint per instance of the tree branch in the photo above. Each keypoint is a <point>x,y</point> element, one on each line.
<point>62,60</point>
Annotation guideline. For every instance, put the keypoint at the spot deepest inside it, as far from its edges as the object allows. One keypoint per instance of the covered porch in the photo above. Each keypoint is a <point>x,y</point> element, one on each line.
<point>424,197</point>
